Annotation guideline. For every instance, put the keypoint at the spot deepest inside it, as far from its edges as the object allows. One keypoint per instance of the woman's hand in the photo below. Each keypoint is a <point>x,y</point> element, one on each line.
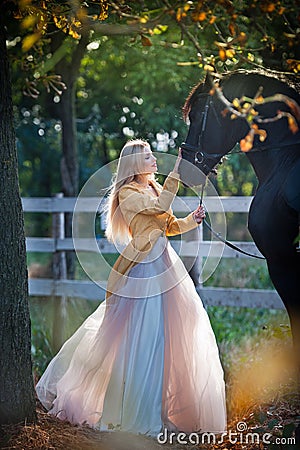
<point>199,214</point>
<point>178,160</point>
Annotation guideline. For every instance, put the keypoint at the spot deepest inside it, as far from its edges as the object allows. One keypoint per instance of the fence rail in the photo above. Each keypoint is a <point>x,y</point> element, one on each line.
<point>253,298</point>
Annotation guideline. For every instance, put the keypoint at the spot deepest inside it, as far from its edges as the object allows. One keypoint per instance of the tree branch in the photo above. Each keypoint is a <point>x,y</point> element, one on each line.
<point>187,32</point>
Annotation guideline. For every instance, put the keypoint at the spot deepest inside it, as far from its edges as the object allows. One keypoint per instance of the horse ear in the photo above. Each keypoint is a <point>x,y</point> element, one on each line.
<point>208,82</point>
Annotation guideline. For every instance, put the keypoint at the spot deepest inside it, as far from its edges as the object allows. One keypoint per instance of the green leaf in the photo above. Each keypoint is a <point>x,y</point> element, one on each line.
<point>288,429</point>
<point>272,423</point>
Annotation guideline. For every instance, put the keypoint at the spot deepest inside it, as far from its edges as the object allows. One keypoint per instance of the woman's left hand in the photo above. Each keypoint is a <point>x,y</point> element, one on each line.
<point>178,160</point>
<point>199,214</point>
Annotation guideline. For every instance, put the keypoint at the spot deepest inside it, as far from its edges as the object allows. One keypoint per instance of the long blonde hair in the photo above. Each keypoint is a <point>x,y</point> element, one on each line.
<point>130,164</point>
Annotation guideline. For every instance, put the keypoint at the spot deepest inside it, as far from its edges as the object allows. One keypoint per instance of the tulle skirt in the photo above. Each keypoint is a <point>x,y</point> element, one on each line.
<point>145,360</point>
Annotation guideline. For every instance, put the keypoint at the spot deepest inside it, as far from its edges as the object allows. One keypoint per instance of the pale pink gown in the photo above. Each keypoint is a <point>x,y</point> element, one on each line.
<point>145,360</point>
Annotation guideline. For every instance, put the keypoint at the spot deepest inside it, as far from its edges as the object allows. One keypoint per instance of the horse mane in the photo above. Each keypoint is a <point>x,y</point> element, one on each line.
<point>190,100</point>
<point>288,78</point>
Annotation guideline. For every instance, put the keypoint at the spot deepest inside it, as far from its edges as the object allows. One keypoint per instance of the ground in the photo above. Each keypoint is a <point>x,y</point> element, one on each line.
<point>276,420</point>
<point>263,404</point>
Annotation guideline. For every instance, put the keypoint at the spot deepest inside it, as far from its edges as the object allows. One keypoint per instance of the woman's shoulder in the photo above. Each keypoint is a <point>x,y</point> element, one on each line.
<point>130,188</point>
<point>135,186</point>
<point>131,185</point>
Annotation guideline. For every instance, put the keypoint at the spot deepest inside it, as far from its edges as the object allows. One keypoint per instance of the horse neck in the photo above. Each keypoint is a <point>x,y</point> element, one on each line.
<point>277,160</point>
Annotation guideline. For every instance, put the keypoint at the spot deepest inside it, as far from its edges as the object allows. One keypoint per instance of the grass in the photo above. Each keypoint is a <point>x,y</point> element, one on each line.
<point>241,273</point>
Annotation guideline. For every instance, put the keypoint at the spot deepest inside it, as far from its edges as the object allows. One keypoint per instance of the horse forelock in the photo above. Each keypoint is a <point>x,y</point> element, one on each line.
<point>190,100</point>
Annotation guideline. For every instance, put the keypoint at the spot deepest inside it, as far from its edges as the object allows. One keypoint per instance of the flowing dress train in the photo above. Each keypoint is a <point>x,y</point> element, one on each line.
<point>145,360</point>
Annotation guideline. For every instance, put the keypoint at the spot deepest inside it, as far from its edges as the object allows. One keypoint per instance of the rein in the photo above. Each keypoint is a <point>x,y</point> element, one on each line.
<point>220,237</point>
<point>204,157</point>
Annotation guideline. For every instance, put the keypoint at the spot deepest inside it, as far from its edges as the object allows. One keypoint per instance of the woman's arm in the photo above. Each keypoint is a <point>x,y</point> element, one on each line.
<point>182,225</point>
<point>133,200</point>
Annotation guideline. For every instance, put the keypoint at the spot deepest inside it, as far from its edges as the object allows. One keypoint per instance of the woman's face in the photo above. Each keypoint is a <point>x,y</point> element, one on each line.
<point>149,161</point>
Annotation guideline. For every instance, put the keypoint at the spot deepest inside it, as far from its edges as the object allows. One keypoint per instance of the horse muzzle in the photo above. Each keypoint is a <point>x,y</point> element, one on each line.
<point>205,162</point>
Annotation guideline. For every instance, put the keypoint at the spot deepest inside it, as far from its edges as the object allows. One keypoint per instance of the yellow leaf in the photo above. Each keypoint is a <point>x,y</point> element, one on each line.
<point>74,33</point>
<point>145,41</point>
<point>144,19</point>
<point>159,29</point>
<point>236,103</point>
<point>179,14</point>
<point>28,22</point>
<point>230,53</point>
<point>242,38</point>
<point>247,143</point>
<point>209,67</point>
<point>202,16</point>
<point>259,99</point>
<point>222,54</point>
<point>29,41</point>
<point>231,28</point>
<point>293,124</point>
<point>271,7</point>
<point>294,65</point>
<point>246,105</point>
<point>267,6</point>
<point>60,22</point>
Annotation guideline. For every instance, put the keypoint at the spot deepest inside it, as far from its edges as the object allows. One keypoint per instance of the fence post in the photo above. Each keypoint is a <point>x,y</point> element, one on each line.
<point>59,273</point>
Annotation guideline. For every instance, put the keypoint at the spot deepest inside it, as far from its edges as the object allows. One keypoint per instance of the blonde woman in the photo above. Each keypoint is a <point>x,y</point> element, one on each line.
<point>146,361</point>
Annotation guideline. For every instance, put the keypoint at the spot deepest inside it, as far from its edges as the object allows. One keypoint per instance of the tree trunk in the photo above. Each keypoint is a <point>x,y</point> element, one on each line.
<point>68,68</point>
<point>17,402</point>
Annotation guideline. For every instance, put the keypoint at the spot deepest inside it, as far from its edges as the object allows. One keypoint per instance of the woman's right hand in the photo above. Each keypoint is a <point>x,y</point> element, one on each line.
<point>199,214</point>
<point>178,160</point>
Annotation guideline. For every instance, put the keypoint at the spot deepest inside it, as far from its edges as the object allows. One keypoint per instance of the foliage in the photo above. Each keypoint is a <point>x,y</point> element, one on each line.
<point>251,274</point>
<point>228,322</point>
<point>273,39</point>
<point>168,47</point>
<point>224,35</point>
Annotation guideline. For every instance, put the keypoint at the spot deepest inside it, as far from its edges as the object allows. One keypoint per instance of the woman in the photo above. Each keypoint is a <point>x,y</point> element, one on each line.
<point>146,359</point>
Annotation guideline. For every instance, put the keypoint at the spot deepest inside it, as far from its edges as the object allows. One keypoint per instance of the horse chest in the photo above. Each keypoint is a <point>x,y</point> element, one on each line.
<point>272,223</point>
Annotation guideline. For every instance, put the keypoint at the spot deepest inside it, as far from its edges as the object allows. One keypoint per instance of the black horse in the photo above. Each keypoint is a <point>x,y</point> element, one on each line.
<point>274,214</point>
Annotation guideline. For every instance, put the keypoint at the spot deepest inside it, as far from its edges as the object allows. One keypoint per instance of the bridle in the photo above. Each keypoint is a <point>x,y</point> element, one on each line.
<point>195,154</point>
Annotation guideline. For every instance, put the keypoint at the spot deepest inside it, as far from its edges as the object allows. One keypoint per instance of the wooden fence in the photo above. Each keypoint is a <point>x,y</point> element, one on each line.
<point>58,244</point>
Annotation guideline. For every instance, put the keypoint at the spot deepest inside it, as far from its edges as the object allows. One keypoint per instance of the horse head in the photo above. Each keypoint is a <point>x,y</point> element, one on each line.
<point>211,133</point>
